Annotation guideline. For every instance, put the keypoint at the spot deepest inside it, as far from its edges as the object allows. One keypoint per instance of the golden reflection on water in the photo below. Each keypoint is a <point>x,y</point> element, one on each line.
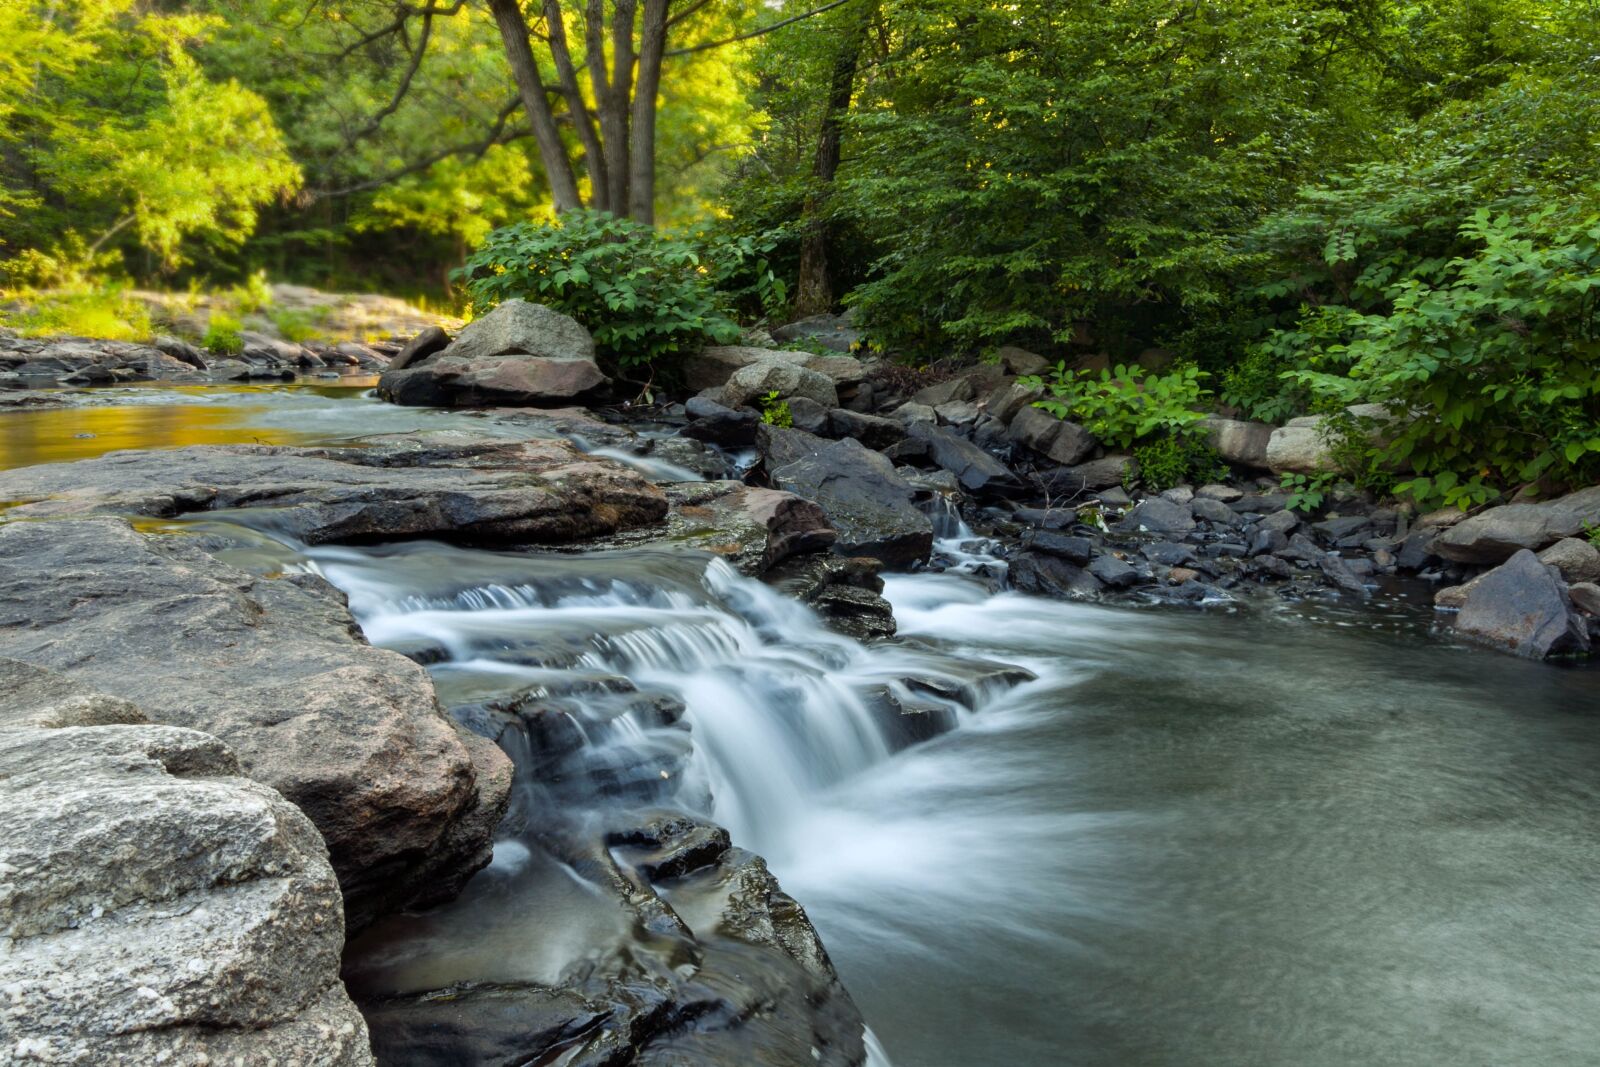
<point>56,435</point>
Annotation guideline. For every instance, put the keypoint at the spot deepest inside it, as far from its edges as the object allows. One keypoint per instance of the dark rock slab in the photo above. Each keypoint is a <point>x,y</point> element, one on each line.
<point>978,472</point>
<point>1158,515</point>
<point>870,505</point>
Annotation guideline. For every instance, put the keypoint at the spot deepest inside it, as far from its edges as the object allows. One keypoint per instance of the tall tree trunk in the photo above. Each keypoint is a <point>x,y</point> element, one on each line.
<point>614,114</point>
<point>530,86</point>
<point>642,146</point>
<point>582,120</point>
<point>814,289</point>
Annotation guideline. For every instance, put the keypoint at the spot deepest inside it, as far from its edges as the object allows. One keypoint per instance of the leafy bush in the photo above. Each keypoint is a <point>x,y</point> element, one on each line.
<point>1177,459</point>
<point>1308,491</point>
<point>644,295</point>
<point>223,334</point>
<point>103,313</point>
<point>1261,385</point>
<point>1124,404</point>
<point>296,326</point>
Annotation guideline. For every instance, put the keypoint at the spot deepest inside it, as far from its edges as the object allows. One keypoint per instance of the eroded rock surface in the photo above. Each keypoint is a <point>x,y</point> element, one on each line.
<point>351,734</point>
<point>156,907</point>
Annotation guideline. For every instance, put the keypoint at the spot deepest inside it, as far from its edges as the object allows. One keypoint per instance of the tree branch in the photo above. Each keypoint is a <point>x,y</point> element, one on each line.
<point>757,32</point>
<point>498,134</point>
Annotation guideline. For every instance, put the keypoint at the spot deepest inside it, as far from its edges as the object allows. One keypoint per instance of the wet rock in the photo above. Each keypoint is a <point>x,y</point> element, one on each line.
<point>1057,440</point>
<point>749,983</point>
<point>908,719</point>
<point>1047,518</point>
<point>848,594</point>
<point>1281,521</point>
<point>519,354</point>
<point>720,425</point>
<point>1075,550</point>
<point>351,734</point>
<point>870,505</point>
<point>1497,533</point>
<point>180,350</point>
<point>461,489</point>
<point>1043,574</point>
<point>157,907</point>
<point>755,529</point>
<point>1158,515</point>
<point>1114,572</point>
<point>1339,572</point>
<point>1416,551</point>
<point>429,342</point>
<point>1523,607</point>
<point>978,472</point>
<point>1267,541</point>
<point>1168,553</point>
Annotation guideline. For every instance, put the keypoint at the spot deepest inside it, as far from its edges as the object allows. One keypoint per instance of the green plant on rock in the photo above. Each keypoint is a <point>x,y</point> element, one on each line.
<point>1124,404</point>
<point>224,334</point>
<point>644,295</point>
<point>1176,459</point>
<point>775,411</point>
<point>1308,491</point>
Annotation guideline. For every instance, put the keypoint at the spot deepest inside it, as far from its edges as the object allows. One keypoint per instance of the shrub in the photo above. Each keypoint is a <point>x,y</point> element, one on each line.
<point>296,326</point>
<point>223,334</point>
<point>1176,459</point>
<point>104,313</point>
<point>775,412</point>
<point>1123,405</point>
<point>645,295</point>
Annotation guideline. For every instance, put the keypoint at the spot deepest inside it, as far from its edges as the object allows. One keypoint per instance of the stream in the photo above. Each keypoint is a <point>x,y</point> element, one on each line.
<point>1295,834</point>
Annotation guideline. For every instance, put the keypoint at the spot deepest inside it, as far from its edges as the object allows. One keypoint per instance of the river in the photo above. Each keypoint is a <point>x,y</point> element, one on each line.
<point>1288,835</point>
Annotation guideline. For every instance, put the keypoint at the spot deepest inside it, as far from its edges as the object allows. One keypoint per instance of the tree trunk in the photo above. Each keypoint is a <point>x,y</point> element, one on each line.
<point>530,86</point>
<point>614,113</point>
<point>642,147</point>
<point>814,288</point>
<point>582,120</point>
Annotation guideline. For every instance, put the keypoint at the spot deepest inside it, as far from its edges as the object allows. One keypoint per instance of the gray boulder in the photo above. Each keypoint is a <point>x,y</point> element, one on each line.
<point>1298,447</point>
<point>1006,401</point>
<point>752,383</point>
<point>868,503</point>
<point>1158,515</point>
<point>1060,441</point>
<point>977,471</point>
<point>1577,560</point>
<point>351,734</point>
<point>1522,607</point>
<point>519,354</point>
<point>1495,534</point>
<point>830,331</point>
<point>754,529</point>
<point>719,424</point>
<point>157,907</point>
<point>874,431</point>
<point>429,342</point>
<point>1241,443</point>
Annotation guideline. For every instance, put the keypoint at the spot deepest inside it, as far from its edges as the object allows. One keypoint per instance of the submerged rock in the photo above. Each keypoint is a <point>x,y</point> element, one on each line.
<point>351,734</point>
<point>157,906</point>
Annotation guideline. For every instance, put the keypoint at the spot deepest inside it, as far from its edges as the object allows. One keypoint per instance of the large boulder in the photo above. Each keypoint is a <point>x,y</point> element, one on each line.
<point>1493,535</point>
<point>1576,559</point>
<point>711,367</point>
<point>830,331</point>
<point>444,486</point>
<point>977,471</point>
<point>1057,440</point>
<point>1238,442</point>
<point>1522,607</point>
<point>1298,447</point>
<point>156,906</point>
<point>754,382</point>
<point>519,354</point>
<point>868,503</point>
<point>351,734</point>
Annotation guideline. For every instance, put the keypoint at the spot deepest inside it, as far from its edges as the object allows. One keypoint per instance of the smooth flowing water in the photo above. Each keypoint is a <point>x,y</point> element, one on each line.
<point>1307,835</point>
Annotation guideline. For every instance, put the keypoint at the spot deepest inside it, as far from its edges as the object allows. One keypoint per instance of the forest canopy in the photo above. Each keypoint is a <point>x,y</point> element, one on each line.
<point>1315,203</point>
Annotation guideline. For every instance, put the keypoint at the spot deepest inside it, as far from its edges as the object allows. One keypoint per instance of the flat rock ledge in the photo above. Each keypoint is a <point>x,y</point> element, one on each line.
<point>155,905</point>
<point>451,487</point>
<point>274,667</point>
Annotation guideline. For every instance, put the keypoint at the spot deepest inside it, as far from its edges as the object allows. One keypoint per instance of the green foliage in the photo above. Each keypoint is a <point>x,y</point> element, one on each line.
<point>296,326</point>
<point>1262,384</point>
<point>1308,491</point>
<point>223,334</point>
<point>1592,534</point>
<point>108,313</point>
<point>1177,459</point>
<point>645,295</point>
<point>1125,404</point>
<point>775,411</point>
